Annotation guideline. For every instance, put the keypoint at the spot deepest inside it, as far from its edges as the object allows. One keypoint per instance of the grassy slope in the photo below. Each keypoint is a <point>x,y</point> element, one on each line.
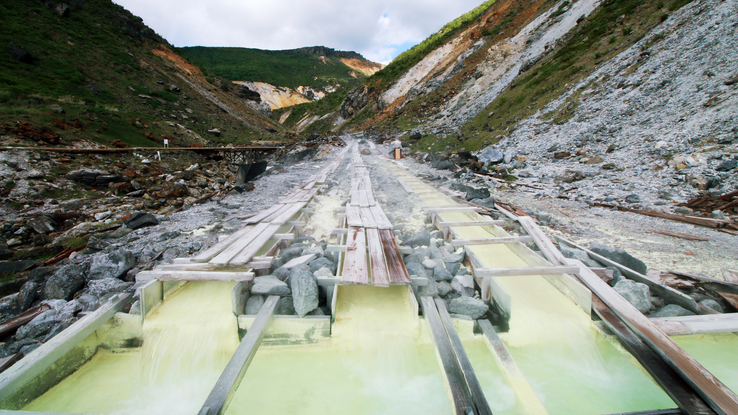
<point>283,69</point>
<point>95,63</point>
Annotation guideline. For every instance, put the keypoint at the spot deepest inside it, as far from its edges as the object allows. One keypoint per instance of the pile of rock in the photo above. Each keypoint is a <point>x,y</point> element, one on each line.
<point>448,278</point>
<point>295,279</point>
<point>638,294</point>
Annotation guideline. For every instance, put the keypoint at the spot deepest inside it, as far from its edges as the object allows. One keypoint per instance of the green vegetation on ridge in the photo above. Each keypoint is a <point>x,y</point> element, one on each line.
<point>290,68</point>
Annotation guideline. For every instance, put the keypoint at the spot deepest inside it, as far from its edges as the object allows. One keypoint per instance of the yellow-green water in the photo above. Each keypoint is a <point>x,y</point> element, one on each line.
<point>188,340</point>
<point>371,365</point>
<point>718,353</point>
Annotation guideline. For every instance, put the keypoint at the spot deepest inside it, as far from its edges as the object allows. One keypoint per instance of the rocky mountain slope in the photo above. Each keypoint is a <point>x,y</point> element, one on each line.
<point>284,77</point>
<point>93,73</point>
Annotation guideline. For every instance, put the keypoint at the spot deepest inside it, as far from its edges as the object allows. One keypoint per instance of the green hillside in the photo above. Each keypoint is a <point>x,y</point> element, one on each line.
<point>316,67</point>
<point>87,70</point>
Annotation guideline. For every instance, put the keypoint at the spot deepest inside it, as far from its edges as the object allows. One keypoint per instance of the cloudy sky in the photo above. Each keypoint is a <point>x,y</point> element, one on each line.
<point>378,29</point>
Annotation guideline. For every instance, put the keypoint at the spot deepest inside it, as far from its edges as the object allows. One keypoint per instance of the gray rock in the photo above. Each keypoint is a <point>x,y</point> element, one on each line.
<point>435,253</point>
<point>39,326</point>
<point>440,273</point>
<point>491,156</point>
<point>66,281</point>
<point>578,254</point>
<point>633,198</point>
<point>429,263</point>
<point>444,288</point>
<point>430,290</point>
<point>304,290</point>
<point>672,310</point>
<point>89,302</point>
<point>9,305</point>
<point>324,272</point>
<point>463,285</point>
<point>453,267</point>
<point>468,306</point>
<point>419,239</point>
<point>487,202</point>
<point>415,269</point>
<point>717,214</point>
<point>286,307</point>
<point>445,165</point>
<point>422,252</point>
<point>457,258</point>
<point>477,193</point>
<point>140,220</point>
<point>728,165</point>
<point>112,265</point>
<point>27,295</point>
<point>40,274</point>
<point>253,304</point>
<point>322,262</point>
<point>42,224</point>
<point>290,253</point>
<point>619,256</point>
<point>683,210</point>
<point>636,293</point>
<point>281,273</point>
<point>98,288</point>
<point>96,244</point>
<point>436,235</point>
<point>270,285</point>
<point>712,304</point>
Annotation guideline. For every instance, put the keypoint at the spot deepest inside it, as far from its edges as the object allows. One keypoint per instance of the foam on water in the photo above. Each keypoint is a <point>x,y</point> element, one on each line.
<point>188,340</point>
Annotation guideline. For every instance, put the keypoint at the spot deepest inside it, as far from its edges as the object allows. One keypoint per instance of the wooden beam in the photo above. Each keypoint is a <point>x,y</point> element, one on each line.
<point>459,208</point>
<point>219,247</point>
<point>455,380</point>
<point>526,399</point>
<point>489,241</point>
<point>164,275</point>
<point>541,240</point>
<point>721,399</point>
<point>663,374</point>
<point>668,293</point>
<point>471,223</point>
<point>395,265</point>
<point>17,376</point>
<point>222,393</point>
<point>254,246</point>
<point>708,323</point>
<point>478,398</point>
<point>522,271</point>
<point>231,251</point>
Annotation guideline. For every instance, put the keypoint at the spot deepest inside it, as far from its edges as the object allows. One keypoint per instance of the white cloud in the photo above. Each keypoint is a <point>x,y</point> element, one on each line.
<point>379,30</point>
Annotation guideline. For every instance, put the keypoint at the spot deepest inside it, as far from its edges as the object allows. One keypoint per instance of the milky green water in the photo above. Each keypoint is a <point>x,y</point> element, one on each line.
<point>188,340</point>
<point>718,353</point>
<point>371,365</point>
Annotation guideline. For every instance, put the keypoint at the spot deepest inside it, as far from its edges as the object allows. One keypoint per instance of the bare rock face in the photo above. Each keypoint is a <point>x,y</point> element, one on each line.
<point>355,100</point>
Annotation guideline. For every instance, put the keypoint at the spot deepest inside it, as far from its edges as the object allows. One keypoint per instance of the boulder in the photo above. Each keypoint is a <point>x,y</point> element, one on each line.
<point>444,288</point>
<point>570,176</point>
<point>27,295</point>
<point>419,239</point>
<point>42,224</point>
<point>491,156</point>
<point>671,310</point>
<point>292,252</point>
<point>66,281</point>
<point>468,306</point>
<point>486,202</point>
<point>712,304</point>
<point>304,290</point>
<point>39,326</point>
<point>440,273</point>
<point>270,285</point>
<point>9,305</point>
<point>112,265</point>
<point>254,303</point>
<point>429,290</point>
<point>323,262</point>
<point>477,193</point>
<point>415,269</point>
<point>636,293</point>
<point>445,165</point>
<point>574,253</point>
<point>464,285</point>
<point>249,171</point>
<point>40,274</point>
<point>286,307</point>
<point>619,256</point>
<point>98,288</point>
<point>141,220</point>
<point>633,198</point>
<point>727,165</point>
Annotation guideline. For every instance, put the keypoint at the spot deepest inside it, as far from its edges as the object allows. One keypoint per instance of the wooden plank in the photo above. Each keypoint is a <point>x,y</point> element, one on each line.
<point>721,399</point>
<point>48,353</point>
<point>288,213</point>
<point>663,374</point>
<point>380,218</point>
<point>681,235</point>
<point>249,251</point>
<point>219,247</point>
<point>526,399</point>
<point>522,271</point>
<point>395,265</point>
<point>164,275</point>
<point>227,384</point>
<point>471,223</point>
<point>489,241</point>
<point>231,251</point>
<point>282,208</point>
<point>380,275</point>
<point>367,218</point>
<point>353,216</point>
<point>709,323</point>
<point>477,396</point>
<point>263,214</point>
<point>460,395</point>
<point>354,263</point>
<point>711,283</point>
<point>456,209</point>
<point>490,287</point>
<point>668,293</point>
<point>541,240</point>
